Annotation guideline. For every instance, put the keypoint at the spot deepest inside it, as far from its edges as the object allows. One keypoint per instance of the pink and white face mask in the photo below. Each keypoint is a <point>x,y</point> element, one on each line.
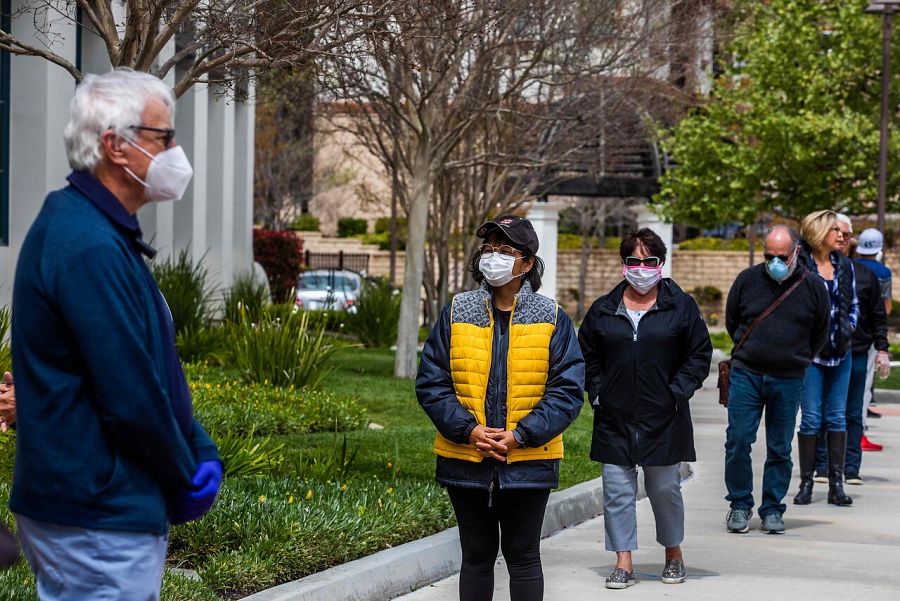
<point>642,279</point>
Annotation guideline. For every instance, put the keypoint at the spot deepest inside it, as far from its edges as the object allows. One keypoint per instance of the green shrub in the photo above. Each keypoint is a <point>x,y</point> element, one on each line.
<point>350,226</point>
<point>334,321</point>
<point>244,456</point>
<point>712,244</point>
<point>377,315</point>
<point>333,467</point>
<point>721,341</point>
<point>18,583</point>
<point>281,255</point>
<point>228,406</point>
<point>246,295</point>
<point>186,290</point>
<point>706,295</point>
<point>383,240</point>
<point>264,531</point>
<point>206,343</point>
<point>383,225</point>
<point>573,242</point>
<point>176,587</point>
<point>282,351</point>
<point>306,223</point>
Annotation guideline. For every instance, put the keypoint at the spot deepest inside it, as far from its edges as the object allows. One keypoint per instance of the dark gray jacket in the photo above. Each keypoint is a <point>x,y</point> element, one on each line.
<point>785,342</point>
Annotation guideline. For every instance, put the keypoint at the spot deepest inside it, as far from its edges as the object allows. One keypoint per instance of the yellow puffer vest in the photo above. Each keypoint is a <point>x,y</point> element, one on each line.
<point>532,324</point>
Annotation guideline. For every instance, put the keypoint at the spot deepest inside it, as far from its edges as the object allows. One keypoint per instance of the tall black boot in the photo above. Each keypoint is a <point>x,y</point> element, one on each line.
<point>837,448</point>
<point>806,449</point>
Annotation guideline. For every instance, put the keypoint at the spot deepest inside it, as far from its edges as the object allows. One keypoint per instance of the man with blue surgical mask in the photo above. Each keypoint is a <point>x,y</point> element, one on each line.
<point>767,373</point>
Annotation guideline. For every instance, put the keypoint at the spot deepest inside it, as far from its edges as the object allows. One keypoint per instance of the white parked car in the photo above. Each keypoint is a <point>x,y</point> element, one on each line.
<point>321,289</point>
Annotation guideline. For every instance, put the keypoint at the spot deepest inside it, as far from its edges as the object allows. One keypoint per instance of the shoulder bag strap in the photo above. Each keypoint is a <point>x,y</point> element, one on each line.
<point>769,310</point>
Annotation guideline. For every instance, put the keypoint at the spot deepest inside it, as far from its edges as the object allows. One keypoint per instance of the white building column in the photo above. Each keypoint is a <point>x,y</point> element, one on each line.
<point>40,93</point>
<point>191,125</point>
<point>544,216</point>
<point>220,189</point>
<point>649,219</point>
<point>244,135</point>
<point>158,218</point>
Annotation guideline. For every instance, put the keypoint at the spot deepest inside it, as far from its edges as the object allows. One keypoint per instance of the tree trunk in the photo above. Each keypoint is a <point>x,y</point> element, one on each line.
<point>405,361</point>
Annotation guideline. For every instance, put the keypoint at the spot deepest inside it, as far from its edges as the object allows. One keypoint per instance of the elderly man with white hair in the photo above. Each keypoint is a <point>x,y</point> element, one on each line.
<point>108,452</point>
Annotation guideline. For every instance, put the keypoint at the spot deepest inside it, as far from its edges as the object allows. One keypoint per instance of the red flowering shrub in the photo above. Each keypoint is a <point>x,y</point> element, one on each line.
<point>281,255</point>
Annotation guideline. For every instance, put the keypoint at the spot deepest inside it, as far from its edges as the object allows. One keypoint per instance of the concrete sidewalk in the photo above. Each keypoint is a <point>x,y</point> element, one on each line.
<point>827,553</point>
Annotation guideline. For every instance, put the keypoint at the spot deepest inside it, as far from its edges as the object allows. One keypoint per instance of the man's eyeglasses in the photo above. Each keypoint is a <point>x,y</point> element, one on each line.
<point>838,230</point>
<point>168,134</point>
<point>646,261</point>
<point>503,249</point>
<point>769,256</point>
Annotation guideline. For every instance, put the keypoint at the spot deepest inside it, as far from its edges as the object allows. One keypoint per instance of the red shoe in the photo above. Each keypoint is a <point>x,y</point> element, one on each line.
<point>866,445</point>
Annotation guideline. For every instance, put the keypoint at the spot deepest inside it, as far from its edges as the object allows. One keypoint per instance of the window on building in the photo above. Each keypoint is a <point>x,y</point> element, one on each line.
<point>4,128</point>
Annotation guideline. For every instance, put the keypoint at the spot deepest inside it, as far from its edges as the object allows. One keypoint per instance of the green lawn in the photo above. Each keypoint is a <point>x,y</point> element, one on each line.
<point>335,496</point>
<point>408,433</point>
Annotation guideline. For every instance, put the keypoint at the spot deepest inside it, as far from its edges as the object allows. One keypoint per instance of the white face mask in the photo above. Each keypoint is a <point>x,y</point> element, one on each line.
<point>497,268</point>
<point>642,279</point>
<point>168,176</point>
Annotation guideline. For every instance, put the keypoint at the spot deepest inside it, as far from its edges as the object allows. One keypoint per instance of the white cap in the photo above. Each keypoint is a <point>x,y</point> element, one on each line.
<point>870,242</point>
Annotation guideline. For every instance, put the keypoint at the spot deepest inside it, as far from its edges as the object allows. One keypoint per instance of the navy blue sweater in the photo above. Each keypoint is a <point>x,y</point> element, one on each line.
<point>105,432</point>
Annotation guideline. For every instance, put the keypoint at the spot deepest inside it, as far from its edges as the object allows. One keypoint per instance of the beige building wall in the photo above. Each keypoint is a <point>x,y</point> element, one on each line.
<point>350,180</point>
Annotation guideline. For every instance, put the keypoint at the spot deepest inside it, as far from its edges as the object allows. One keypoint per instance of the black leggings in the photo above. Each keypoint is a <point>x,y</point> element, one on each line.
<point>519,515</point>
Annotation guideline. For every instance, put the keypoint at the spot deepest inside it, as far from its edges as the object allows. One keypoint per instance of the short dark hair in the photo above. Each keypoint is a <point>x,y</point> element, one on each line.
<point>646,238</point>
<point>497,236</point>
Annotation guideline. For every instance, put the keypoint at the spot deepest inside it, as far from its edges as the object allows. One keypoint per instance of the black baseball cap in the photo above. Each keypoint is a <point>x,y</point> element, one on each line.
<point>517,229</point>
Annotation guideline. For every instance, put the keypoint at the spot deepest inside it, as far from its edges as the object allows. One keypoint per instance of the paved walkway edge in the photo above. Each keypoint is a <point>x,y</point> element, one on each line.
<point>410,566</point>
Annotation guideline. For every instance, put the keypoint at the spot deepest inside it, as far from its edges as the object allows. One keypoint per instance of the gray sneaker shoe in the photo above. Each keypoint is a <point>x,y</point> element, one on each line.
<point>738,520</point>
<point>620,579</point>
<point>772,524</point>
<point>674,572</point>
<point>853,479</point>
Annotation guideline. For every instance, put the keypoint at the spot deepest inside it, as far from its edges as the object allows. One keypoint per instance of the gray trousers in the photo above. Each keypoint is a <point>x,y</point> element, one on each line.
<point>620,490</point>
<point>74,564</point>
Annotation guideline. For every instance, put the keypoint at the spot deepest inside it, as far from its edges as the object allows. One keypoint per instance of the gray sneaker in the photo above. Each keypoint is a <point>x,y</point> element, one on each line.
<point>738,520</point>
<point>674,572</point>
<point>772,524</point>
<point>853,479</point>
<point>620,579</point>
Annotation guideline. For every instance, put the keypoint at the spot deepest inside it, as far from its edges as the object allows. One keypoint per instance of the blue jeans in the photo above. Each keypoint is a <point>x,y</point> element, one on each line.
<point>854,416</point>
<point>824,404</point>
<point>749,394</point>
<point>73,564</point>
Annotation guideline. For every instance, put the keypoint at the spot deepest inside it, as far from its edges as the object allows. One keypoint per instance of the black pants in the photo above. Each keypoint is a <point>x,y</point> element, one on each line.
<point>513,523</point>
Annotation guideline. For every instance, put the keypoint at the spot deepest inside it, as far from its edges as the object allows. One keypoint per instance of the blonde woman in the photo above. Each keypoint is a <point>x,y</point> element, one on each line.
<point>824,401</point>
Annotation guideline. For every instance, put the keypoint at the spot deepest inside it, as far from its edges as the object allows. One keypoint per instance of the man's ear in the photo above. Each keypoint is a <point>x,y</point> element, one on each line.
<point>112,146</point>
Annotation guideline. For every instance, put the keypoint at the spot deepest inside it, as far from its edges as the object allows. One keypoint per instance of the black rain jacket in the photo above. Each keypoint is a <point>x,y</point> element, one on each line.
<point>639,381</point>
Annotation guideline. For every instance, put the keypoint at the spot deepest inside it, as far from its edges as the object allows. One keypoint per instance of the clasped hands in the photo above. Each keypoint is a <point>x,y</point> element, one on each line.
<point>493,442</point>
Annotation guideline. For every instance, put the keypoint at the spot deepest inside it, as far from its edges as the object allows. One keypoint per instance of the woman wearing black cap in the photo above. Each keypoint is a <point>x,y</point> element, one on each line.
<point>501,377</point>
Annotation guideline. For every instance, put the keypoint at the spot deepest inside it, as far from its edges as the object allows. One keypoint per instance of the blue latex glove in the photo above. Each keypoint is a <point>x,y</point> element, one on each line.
<point>193,504</point>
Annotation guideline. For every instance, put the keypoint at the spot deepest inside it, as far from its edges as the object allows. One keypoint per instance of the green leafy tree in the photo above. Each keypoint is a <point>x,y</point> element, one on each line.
<point>791,126</point>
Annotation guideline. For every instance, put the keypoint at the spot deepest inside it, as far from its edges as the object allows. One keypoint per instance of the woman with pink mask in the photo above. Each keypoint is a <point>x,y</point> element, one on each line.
<point>646,351</point>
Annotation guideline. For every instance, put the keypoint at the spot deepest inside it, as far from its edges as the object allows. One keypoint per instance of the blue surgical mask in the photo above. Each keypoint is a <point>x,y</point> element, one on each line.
<point>778,270</point>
